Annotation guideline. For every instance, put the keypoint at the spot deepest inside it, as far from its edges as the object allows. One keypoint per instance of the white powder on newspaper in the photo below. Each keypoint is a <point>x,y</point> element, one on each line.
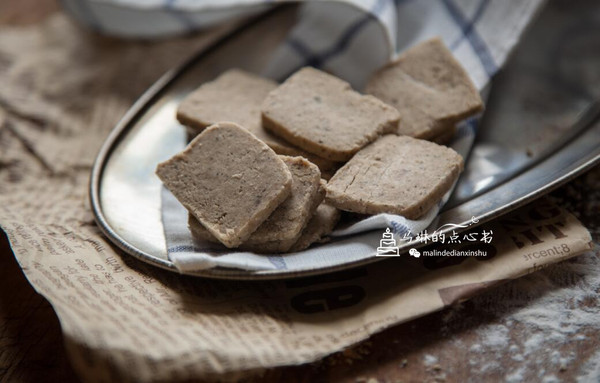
<point>591,369</point>
<point>495,336</point>
<point>515,376</point>
<point>430,360</point>
<point>552,307</point>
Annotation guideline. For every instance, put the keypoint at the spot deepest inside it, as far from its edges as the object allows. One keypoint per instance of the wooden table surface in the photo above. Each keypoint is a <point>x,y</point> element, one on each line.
<point>433,348</point>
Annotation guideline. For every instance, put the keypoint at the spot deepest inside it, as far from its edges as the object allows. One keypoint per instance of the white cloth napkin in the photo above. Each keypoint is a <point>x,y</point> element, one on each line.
<point>350,38</point>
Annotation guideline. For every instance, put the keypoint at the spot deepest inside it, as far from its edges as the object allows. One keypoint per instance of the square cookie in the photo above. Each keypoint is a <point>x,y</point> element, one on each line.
<point>229,180</point>
<point>430,89</point>
<point>397,175</point>
<point>237,96</point>
<point>321,114</point>
<point>234,96</point>
<point>283,228</point>
<point>321,224</point>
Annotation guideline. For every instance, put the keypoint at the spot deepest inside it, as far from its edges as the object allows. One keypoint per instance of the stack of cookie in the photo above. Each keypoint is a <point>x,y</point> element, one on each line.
<point>256,182</point>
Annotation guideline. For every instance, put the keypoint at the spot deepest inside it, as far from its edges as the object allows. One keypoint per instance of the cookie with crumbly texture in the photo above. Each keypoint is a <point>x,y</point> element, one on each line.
<point>283,228</point>
<point>198,231</point>
<point>430,89</point>
<point>229,180</point>
<point>279,246</point>
<point>397,175</point>
<point>327,167</point>
<point>321,224</point>
<point>321,114</point>
<point>236,96</point>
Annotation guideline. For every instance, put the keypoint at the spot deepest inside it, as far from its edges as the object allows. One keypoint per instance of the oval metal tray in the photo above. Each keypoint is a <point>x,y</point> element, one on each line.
<point>509,164</point>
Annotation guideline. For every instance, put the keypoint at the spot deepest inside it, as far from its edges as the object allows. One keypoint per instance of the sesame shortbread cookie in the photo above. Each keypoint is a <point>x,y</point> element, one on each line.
<point>430,89</point>
<point>321,114</point>
<point>237,96</point>
<point>234,96</point>
<point>283,228</point>
<point>321,224</point>
<point>396,174</point>
<point>229,180</point>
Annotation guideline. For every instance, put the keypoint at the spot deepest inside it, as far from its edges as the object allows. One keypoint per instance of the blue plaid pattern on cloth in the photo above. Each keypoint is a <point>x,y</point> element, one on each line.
<point>350,38</point>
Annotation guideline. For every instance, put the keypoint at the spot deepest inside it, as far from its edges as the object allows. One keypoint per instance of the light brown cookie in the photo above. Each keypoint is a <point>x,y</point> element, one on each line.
<point>283,228</point>
<point>229,180</point>
<point>321,224</point>
<point>397,175</point>
<point>200,232</point>
<point>234,96</point>
<point>430,89</point>
<point>321,114</point>
<point>237,96</point>
<point>327,167</point>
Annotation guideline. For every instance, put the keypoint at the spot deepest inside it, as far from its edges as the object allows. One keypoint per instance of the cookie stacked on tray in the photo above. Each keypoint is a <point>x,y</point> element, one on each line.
<point>253,176</point>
